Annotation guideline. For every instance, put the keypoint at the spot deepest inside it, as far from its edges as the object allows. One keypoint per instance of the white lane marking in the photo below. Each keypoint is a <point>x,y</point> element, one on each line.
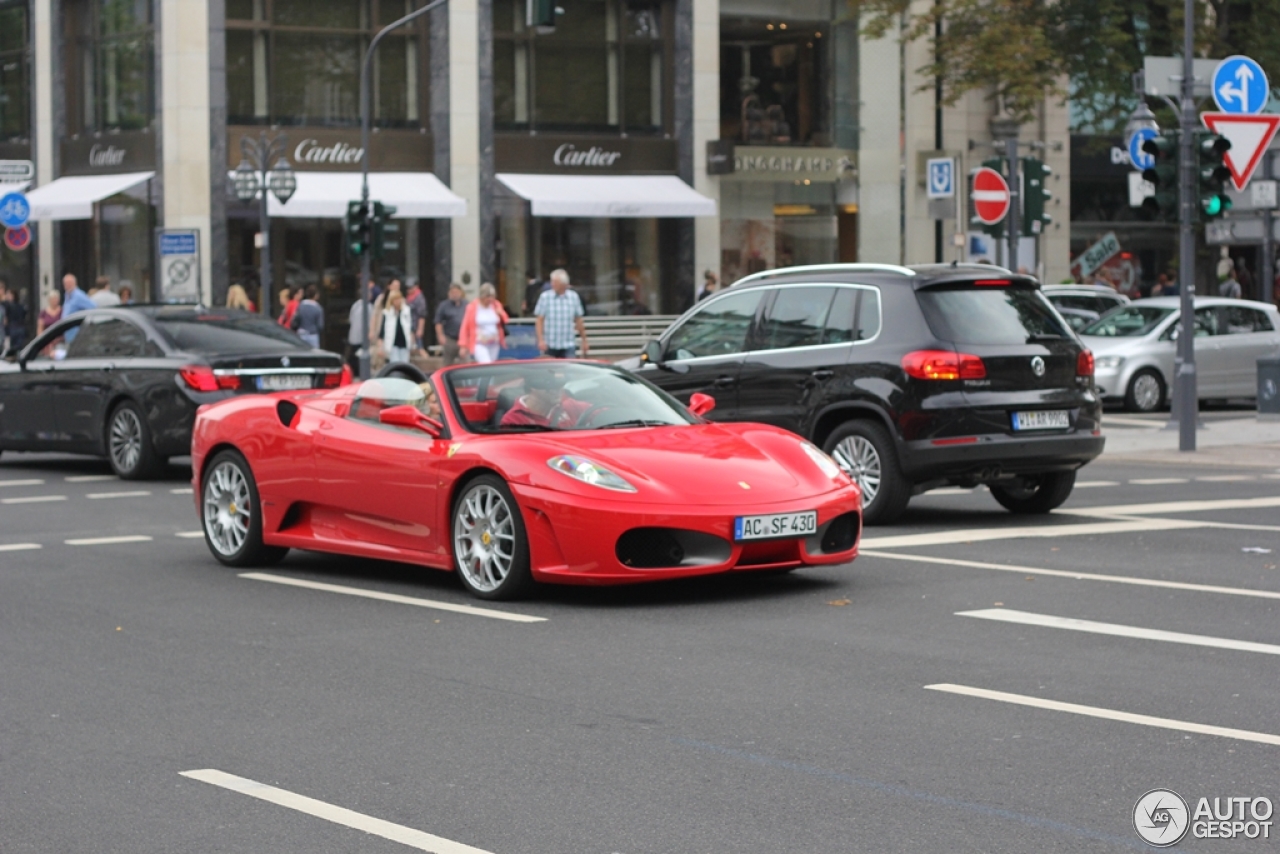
<point>33,499</point>
<point>90,478</point>
<point>107,541</point>
<point>1131,422</point>
<point>1165,507</point>
<point>133,493</point>
<point>394,597</point>
<point>329,812</point>
<point>19,547</point>
<point>1026,618</point>
<point>1106,714</point>
<point>1086,484</point>
<point>186,490</point>
<point>1081,576</point>
<point>1225,478</point>
<point>1272,476</point>
<point>190,535</point>
<point>974,535</point>
<point>950,490</point>
<point>1158,481</point>
<point>27,482</point>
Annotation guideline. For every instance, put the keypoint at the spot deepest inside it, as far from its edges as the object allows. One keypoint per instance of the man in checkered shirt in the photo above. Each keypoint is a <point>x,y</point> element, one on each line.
<point>559,315</point>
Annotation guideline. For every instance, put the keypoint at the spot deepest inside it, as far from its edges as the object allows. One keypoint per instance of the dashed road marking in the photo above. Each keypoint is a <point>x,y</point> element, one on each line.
<point>338,815</point>
<point>1087,484</point>
<point>1080,576</point>
<point>107,541</point>
<point>1026,618</point>
<point>19,547</point>
<point>1165,507</point>
<point>132,493</point>
<point>90,478</point>
<point>1106,714</point>
<point>26,482</point>
<point>469,610</point>
<point>1158,481</point>
<point>1225,478</point>
<point>33,499</point>
<point>186,490</point>
<point>189,535</point>
<point>974,535</point>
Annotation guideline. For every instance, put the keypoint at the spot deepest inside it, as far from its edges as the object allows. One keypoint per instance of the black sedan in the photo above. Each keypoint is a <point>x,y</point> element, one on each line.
<point>125,383</point>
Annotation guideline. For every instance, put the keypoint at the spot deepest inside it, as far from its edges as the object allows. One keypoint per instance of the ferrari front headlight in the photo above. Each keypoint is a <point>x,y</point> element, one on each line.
<point>586,471</point>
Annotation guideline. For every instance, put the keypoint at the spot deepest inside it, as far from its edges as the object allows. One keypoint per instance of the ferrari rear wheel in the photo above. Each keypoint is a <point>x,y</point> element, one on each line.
<point>490,548</point>
<point>231,514</point>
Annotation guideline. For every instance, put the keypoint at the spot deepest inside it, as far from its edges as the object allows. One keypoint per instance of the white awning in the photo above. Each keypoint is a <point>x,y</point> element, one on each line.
<point>13,187</point>
<point>609,195</point>
<point>415,195</point>
<point>73,197</point>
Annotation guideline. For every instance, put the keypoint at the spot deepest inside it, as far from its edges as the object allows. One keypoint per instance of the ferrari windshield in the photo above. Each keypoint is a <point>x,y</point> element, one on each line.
<point>525,397</point>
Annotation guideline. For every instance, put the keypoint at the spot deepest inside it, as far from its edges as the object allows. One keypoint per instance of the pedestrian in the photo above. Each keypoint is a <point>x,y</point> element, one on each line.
<point>1229,287</point>
<point>355,331</point>
<point>397,328</point>
<point>533,289</point>
<point>484,327</point>
<point>448,322</point>
<point>126,294</point>
<point>418,306</point>
<point>15,314</point>
<point>51,313</point>
<point>289,299</point>
<point>102,295</point>
<point>1243,276</point>
<point>74,302</point>
<point>710,284</point>
<point>308,317</point>
<point>238,297</point>
<point>559,313</point>
<point>380,303</point>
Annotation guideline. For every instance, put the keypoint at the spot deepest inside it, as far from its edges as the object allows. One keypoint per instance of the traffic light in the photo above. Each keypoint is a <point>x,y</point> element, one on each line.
<point>996,230</point>
<point>1163,175</point>
<point>1212,174</point>
<point>1034,196</point>
<point>381,227</point>
<point>541,14</point>
<point>357,226</point>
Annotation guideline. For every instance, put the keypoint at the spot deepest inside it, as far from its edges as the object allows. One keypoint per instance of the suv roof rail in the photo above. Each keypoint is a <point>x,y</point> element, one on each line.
<point>835,268</point>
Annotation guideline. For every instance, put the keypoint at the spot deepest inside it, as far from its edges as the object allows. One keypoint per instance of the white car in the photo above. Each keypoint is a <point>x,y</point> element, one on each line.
<point>1134,347</point>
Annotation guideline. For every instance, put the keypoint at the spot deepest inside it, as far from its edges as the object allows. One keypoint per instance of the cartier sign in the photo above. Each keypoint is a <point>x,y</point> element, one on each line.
<point>311,151</point>
<point>316,149</point>
<point>104,154</point>
<point>583,155</point>
<point>569,154</point>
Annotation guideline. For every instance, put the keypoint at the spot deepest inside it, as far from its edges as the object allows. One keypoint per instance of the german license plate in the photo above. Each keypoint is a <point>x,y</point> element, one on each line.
<point>283,382</point>
<point>1043,419</point>
<point>776,526</point>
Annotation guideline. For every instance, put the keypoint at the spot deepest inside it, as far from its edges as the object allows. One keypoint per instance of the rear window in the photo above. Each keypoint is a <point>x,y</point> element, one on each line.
<point>1131,321</point>
<point>990,315</point>
<point>228,333</point>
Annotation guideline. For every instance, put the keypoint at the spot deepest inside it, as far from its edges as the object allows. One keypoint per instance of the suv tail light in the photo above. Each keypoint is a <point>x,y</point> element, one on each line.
<point>202,378</point>
<point>333,379</point>
<point>1084,364</point>
<point>943,365</point>
<point>347,379</point>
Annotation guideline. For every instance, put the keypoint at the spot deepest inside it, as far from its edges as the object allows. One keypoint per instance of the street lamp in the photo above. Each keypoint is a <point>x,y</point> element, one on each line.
<point>1140,119</point>
<point>253,177</point>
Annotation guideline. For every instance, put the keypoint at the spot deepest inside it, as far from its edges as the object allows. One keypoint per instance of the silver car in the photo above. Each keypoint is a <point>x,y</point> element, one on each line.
<point>1080,305</point>
<point>1134,346</point>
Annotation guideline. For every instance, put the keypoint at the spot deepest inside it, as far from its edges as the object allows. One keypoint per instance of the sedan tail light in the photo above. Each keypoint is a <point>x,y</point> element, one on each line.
<point>347,379</point>
<point>202,378</point>
<point>1084,364</point>
<point>333,379</point>
<point>943,365</point>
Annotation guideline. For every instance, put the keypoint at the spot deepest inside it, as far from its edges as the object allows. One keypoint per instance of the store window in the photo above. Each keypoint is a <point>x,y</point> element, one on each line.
<point>775,78</point>
<point>113,59</point>
<point>297,62</point>
<point>603,68</point>
<point>15,71</point>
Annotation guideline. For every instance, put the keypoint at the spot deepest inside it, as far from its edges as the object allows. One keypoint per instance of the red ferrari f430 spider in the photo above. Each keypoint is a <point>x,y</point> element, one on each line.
<point>514,473</point>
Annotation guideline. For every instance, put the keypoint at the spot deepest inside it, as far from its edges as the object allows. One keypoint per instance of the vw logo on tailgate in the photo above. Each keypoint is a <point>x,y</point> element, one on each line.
<point>1037,366</point>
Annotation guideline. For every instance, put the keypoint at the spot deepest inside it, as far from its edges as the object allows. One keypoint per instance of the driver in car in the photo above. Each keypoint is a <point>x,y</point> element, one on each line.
<point>544,405</point>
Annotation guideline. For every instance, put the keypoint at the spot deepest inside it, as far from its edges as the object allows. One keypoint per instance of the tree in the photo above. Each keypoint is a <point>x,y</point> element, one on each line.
<point>1023,50</point>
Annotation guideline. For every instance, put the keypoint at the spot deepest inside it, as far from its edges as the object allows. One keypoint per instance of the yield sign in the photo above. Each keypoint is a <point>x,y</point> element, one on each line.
<point>990,195</point>
<point>1249,137</point>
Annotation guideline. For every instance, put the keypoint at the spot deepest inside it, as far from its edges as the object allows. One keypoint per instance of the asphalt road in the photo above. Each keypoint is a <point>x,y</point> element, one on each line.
<point>783,714</point>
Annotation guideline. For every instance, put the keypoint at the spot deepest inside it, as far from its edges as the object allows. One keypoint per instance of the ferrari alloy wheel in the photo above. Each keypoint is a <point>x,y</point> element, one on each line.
<point>1035,494</point>
<point>232,521</point>
<point>489,545</point>
<point>864,451</point>
<point>129,444</point>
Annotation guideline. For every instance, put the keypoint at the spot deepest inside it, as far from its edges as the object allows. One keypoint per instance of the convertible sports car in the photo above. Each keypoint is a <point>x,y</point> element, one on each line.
<point>515,473</point>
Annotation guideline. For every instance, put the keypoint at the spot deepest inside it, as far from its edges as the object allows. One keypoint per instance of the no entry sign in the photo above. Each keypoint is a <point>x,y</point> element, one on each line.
<point>990,196</point>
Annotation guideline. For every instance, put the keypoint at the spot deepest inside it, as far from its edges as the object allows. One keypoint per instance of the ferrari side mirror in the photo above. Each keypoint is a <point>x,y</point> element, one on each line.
<point>700,404</point>
<point>409,416</point>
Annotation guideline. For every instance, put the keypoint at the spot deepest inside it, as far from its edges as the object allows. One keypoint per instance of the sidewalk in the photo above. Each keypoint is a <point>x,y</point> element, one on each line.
<point>1243,441</point>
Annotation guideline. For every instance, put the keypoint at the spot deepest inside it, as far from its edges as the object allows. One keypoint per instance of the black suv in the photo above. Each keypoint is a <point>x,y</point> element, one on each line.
<point>912,378</point>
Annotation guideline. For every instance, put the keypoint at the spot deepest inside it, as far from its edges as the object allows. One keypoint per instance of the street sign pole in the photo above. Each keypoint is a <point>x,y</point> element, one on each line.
<point>1267,269</point>
<point>1013,222</point>
<point>1185,405</point>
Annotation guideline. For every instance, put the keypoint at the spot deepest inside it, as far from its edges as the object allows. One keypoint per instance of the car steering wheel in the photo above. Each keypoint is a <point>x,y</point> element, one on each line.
<point>588,417</point>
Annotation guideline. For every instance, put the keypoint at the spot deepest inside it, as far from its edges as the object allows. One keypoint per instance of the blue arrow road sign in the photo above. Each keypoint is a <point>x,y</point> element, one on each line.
<point>1240,86</point>
<point>942,177</point>
<point>1139,158</point>
<point>14,210</point>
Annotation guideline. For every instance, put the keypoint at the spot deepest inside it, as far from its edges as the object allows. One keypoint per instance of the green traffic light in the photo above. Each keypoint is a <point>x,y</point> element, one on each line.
<point>1212,205</point>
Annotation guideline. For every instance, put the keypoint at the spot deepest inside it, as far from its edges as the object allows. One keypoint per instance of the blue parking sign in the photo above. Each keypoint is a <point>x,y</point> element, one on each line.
<point>14,210</point>
<point>940,178</point>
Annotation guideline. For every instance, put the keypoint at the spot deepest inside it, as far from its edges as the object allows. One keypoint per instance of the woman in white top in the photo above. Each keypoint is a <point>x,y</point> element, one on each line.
<point>397,328</point>
<point>484,327</point>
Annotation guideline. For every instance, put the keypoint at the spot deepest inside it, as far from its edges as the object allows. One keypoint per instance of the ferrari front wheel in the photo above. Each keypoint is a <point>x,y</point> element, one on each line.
<point>232,514</point>
<point>490,548</point>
